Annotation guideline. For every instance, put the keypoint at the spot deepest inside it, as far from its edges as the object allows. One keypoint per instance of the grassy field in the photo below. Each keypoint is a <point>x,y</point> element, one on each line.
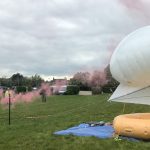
<point>32,125</point>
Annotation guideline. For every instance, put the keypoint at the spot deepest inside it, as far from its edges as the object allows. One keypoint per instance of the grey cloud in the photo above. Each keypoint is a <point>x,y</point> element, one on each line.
<point>61,37</point>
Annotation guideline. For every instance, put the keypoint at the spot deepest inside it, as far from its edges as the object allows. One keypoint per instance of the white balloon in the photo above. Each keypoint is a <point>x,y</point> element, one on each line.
<point>130,62</point>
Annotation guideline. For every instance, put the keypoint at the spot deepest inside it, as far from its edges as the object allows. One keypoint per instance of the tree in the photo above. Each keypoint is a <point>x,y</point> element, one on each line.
<point>98,79</point>
<point>82,79</point>
<point>17,79</point>
<point>5,82</point>
<point>112,83</point>
<point>36,81</point>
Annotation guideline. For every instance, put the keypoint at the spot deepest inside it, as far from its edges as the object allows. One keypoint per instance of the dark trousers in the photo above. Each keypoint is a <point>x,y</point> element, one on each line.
<point>43,98</point>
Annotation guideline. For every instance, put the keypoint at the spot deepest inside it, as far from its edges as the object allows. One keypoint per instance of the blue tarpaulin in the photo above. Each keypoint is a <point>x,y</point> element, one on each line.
<point>105,131</point>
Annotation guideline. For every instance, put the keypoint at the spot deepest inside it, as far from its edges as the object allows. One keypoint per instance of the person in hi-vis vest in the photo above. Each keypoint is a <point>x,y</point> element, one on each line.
<point>7,93</point>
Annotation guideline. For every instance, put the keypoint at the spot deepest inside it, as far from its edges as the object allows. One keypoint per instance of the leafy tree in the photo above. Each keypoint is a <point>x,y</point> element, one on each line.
<point>98,79</point>
<point>17,79</point>
<point>112,83</point>
<point>36,81</point>
<point>5,82</point>
<point>81,79</point>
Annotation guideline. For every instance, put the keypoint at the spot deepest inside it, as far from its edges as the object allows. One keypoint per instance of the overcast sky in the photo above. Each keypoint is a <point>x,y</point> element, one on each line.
<point>62,37</point>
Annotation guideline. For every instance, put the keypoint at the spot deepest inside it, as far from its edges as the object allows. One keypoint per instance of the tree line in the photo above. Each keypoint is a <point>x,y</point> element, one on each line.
<point>20,80</point>
<point>97,81</point>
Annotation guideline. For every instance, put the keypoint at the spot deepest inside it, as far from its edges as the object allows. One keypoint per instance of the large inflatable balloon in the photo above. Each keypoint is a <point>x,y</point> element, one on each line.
<point>130,65</point>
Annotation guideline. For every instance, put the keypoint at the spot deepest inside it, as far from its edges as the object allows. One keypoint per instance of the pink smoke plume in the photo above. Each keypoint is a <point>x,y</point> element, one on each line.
<point>33,95</point>
<point>113,43</point>
<point>133,4</point>
<point>138,9</point>
<point>57,85</point>
<point>47,89</point>
<point>95,78</point>
<point>21,97</point>
<point>1,93</point>
<point>98,78</point>
<point>25,97</point>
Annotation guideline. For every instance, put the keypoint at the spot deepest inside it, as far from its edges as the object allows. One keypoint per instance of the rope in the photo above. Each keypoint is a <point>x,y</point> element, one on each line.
<point>124,106</point>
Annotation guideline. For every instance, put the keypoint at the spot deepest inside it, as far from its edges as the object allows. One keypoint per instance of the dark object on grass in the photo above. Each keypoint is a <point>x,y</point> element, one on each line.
<point>94,123</point>
<point>43,95</point>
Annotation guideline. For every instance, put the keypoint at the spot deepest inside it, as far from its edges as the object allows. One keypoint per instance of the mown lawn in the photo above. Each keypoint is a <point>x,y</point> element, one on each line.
<point>32,125</point>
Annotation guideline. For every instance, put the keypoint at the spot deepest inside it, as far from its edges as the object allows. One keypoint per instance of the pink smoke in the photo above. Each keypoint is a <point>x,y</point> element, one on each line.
<point>57,85</point>
<point>1,93</point>
<point>33,95</point>
<point>15,98</point>
<point>113,43</point>
<point>138,9</point>
<point>47,89</point>
<point>95,78</point>
<point>98,78</point>
<point>133,4</point>
<point>30,96</point>
<point>25,97</point>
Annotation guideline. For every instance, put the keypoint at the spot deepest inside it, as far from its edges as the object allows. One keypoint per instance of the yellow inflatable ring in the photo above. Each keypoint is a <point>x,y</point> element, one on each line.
<point>133,125</point>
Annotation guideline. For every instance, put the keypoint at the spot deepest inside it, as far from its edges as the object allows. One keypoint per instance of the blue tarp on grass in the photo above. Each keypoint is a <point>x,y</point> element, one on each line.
<point>105,131</point>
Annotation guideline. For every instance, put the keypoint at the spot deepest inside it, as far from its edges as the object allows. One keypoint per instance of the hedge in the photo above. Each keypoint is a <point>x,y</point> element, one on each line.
<point>72,90</point>
<point>21,89</point>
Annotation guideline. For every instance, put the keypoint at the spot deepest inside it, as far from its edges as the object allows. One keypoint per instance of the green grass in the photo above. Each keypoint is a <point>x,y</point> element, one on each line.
<point>32,125</point>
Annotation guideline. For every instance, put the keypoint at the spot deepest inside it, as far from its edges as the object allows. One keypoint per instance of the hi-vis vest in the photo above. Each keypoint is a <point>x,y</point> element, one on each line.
<point>7,93</point>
